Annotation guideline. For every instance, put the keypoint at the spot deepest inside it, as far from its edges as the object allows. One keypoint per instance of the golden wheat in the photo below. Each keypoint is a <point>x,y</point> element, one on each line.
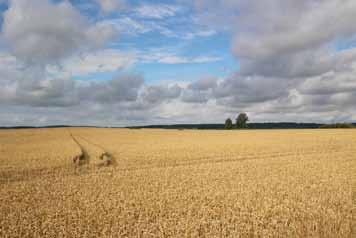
<point>168,183</point>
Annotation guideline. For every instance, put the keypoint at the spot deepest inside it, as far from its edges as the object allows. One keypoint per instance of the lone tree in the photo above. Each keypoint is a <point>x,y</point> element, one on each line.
<point>228,124</point>
<point>241,121</point>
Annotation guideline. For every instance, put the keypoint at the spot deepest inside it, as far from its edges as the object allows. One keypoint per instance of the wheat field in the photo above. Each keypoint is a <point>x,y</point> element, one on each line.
<point>170,183</point>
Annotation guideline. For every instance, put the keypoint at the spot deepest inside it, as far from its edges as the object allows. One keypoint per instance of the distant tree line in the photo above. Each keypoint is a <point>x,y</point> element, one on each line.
<point>241,122</point>
<point>242,119</point>
<point>221,126</point>
<point>337,125</point>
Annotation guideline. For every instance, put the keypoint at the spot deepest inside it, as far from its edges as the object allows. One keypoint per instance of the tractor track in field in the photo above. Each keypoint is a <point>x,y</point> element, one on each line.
<point>92,143</point>
<point>84,156</point>
<point>105,155</point>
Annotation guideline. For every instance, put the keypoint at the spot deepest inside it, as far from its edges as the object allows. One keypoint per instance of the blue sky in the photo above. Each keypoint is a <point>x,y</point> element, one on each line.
<point>130,62</point>
<point>189,51</point>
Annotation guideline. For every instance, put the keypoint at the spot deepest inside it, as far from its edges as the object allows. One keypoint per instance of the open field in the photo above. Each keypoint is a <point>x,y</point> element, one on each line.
<point>169,183</point>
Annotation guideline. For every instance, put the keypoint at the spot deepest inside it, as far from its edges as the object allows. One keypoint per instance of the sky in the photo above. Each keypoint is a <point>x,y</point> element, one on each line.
<point>131,62</point>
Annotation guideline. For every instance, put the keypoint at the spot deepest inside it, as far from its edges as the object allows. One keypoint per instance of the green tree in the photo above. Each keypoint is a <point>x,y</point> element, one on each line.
<point>241,121</point>
<point>228,124</point>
